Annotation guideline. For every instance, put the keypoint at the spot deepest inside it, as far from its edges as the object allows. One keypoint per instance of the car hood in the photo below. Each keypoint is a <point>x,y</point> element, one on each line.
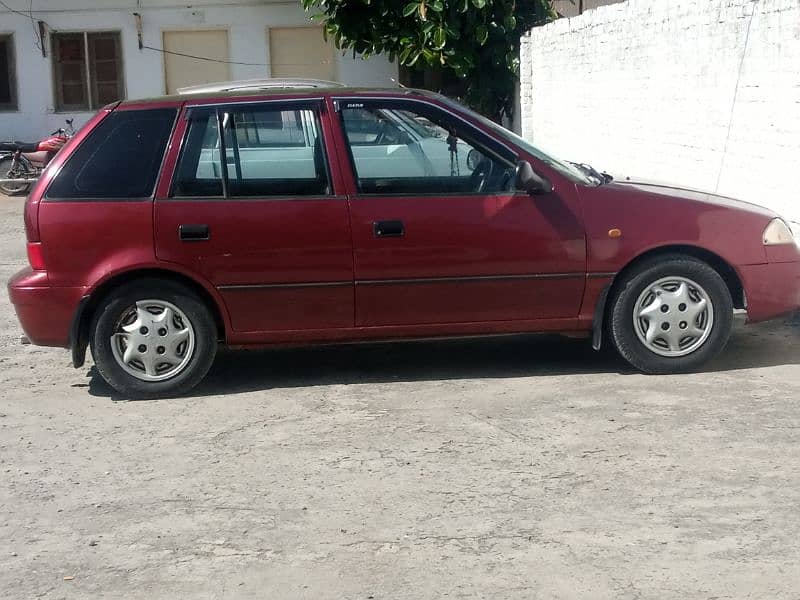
<point>685,193</point>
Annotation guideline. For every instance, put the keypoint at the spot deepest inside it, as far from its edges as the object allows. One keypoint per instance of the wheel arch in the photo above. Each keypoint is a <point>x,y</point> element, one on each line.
<point>79,332</point>
<point>725,270</point>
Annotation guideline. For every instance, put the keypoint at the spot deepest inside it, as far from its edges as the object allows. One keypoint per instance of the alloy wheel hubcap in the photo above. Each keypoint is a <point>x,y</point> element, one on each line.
<point>153,340</point>
<point>673,317</point>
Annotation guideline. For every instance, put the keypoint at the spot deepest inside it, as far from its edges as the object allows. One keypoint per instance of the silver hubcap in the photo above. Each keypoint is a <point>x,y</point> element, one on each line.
<point>153,340</point>
<point>673,316</point>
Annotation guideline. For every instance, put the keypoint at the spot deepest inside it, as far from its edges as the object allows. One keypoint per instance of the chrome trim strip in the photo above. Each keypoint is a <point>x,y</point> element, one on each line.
<point>409,281</point>
<point>427,280</point>
<point>269,286</point>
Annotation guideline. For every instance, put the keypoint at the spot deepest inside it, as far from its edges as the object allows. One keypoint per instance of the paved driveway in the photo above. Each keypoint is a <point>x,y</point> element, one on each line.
<point>512,468</point>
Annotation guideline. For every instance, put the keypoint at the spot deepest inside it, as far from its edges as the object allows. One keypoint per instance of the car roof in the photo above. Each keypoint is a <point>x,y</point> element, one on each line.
<point>311,92</point>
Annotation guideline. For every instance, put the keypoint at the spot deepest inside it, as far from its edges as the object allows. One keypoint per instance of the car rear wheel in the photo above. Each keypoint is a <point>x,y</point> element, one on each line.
<point>671,314</point>
<point>153,338</point>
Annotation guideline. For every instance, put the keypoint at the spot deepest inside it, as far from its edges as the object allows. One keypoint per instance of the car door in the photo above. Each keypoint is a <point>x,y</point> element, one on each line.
<point>265,226</point>
<point>439,234</point>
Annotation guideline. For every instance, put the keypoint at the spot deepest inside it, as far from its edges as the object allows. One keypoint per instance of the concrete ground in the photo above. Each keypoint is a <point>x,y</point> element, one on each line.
<point>513,468</point>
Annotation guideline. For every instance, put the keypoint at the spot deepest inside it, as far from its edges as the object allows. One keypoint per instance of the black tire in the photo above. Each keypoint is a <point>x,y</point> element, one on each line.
<point>116,304</point>
<point>9,189</point>
<point>623,305</point>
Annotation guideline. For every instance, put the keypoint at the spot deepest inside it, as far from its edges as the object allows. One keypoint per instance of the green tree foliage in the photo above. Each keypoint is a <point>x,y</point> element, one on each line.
<point>476,40</point>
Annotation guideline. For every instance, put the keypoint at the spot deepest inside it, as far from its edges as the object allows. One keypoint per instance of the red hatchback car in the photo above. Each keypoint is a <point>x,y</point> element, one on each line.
<point>169,226</point>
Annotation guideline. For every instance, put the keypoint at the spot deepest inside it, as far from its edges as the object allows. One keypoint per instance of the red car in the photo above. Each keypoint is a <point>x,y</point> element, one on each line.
<point>342,215</point>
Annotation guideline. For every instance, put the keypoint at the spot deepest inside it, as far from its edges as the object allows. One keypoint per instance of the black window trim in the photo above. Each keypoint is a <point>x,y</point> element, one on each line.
<point>481,138</point>
<point>316,104</point>
<point>46,196</point>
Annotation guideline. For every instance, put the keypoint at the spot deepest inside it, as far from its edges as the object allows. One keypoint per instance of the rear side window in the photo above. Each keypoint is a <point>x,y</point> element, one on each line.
<point>120,158</point>
<point>269,151</point>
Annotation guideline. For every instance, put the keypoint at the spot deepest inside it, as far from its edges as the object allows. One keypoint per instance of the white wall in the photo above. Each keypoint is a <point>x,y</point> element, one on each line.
<point>246,21</point>
<point>571,8</point>
<point>704,93</point>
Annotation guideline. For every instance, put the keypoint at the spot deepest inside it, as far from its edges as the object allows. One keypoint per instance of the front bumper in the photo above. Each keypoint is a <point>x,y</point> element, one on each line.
<point>772,289</point>
<point>45,312</point>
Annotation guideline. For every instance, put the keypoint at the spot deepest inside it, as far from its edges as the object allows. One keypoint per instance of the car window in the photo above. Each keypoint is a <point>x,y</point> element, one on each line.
<point>269,151</point>
<point>119,159</point>
<point>399,150</point>
<point>567,169</point>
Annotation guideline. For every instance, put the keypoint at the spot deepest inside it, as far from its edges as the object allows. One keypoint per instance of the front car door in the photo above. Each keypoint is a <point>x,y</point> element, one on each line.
<point>439,234</point>
<point>264,226</point>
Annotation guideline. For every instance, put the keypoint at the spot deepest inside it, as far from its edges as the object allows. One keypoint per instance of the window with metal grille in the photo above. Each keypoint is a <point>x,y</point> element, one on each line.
<point>87,69</point>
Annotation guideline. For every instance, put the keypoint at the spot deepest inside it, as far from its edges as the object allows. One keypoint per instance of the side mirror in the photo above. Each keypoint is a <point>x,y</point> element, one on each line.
<point>529,181</point>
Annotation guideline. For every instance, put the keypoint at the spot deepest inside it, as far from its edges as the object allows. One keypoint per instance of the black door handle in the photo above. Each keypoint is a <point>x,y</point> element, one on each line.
<point>193,233</point>
<point>388,229</point>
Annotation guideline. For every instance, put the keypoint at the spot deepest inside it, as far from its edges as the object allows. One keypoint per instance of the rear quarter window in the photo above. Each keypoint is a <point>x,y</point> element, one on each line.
<point>120,158</point>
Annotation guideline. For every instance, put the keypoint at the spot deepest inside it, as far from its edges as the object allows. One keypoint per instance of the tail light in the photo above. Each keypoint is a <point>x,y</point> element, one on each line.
<point>36,256</point>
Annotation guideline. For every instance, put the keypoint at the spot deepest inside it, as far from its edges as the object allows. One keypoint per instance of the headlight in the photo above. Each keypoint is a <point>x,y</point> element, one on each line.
<point>777,233</point>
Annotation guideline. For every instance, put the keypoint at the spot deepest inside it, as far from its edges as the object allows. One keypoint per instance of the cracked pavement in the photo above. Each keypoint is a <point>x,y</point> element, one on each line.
<point>508,468</point>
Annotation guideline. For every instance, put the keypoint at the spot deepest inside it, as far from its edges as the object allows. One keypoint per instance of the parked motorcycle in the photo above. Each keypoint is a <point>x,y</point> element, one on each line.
<point>25,161</point>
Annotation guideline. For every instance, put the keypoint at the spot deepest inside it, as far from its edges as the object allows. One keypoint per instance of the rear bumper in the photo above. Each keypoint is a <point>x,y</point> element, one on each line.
<point>772,290</point>
<point>45,312</point>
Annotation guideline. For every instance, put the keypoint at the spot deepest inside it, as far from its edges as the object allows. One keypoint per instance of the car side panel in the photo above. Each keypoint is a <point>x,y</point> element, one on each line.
<point>648,220</point>
<point>466,259</point>
<point>85,241</point>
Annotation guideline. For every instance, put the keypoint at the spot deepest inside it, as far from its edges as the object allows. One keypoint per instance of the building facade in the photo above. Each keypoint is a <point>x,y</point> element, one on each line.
<point>64,59</point>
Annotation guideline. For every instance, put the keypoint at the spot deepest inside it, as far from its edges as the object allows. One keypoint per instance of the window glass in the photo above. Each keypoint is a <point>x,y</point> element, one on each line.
<point>87,69</point>
<point>8,84</point>
<point>269,152</point>
<point>400,151</point>
<point>120,158</point>
<point>565,168</point>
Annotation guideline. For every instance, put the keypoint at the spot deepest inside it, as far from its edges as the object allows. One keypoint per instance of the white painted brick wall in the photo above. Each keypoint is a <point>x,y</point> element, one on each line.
<point>703,93</point>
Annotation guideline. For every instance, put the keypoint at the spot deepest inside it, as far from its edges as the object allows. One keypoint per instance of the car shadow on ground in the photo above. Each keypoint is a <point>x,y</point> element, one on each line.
<point>237,371</point>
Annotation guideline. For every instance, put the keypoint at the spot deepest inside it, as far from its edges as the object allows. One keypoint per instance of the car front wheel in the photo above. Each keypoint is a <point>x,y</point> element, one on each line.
<point>671,315</point>
<point>153,338</point>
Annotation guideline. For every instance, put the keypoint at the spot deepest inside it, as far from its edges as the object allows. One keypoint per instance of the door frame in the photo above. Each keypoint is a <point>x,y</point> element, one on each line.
<point>503,151</point>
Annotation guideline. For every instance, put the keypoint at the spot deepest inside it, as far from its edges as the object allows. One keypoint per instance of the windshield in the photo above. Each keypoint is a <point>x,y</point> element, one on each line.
<point>566,169</point>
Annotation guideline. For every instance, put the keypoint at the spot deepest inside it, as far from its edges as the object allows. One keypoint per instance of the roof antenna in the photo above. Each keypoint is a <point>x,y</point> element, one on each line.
<point>397,83</point>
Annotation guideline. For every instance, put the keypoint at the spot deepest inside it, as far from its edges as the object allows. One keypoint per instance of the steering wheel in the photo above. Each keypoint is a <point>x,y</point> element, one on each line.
<point>481,176</point>
<point>386,135</point>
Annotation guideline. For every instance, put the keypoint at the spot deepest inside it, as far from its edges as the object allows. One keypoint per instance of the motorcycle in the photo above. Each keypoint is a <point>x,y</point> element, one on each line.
<point>21,163</point>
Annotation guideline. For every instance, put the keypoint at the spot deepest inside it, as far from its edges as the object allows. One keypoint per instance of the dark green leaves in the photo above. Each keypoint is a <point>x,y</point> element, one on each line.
<point>476,40</point>
<point>410,8</point>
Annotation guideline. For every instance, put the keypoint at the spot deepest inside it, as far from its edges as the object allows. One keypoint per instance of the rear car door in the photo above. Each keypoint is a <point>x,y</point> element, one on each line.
<point>265,225</point>
<point>439,234</point>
